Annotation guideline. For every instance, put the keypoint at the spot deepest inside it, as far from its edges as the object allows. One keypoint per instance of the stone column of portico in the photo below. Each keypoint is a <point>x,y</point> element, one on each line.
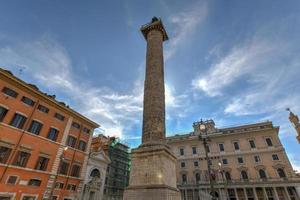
<point>236,194</point>
<point>265,193</point>
<point>275,193</point>
<point>245,193</point>
<point>153,169</point>
<point>255,194</point>
<point>287,193</point>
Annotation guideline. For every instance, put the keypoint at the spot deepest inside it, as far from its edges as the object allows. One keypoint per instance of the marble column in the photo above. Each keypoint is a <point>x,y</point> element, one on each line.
<point>245,193</point>
<point>287,193</point>
<point>255,194</point>
<point>275,193</point>
<point>265,193</point>
<point>236,194</point>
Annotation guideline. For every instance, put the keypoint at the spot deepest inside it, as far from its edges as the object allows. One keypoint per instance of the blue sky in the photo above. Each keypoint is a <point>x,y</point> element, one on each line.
<point>233,61</point>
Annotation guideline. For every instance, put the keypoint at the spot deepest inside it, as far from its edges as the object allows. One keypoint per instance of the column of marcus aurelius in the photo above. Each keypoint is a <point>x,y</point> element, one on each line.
<point>153,172</point>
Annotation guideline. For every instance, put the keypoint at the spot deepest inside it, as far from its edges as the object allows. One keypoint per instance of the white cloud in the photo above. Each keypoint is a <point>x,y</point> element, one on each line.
<point>184,24</point>
<point>240,61</point>
<point>47,63</point>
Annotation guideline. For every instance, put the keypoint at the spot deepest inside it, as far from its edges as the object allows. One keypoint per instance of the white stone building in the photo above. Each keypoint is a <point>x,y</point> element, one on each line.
<point>95,176</point>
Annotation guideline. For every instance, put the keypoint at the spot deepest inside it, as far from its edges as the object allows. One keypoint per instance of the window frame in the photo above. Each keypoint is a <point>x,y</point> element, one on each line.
<point>45,166</point>
<point>15,183</point>
<point>59,117</point>
<point>19,124</point>
<point>34,179</point>
<point>276,156</point>
<point>194,150</point>
<point>270,139</point>
<point>7,155</point>
<point>73,144</point>
<point>252,145</point>
<point>242,159</point>
<point>38,128</point>
<point>27,101</point>
<point>56,136</point>
<point>43,109</point>
<point>3,113</point>
<point>66,167</point>
<point>221,147</point>
<point>24,163</point>
<point>238,145</point>
<point>77,172</point>
<point>182,164</point>
<point>82,142</point>
<point>5,90</point>
<point>254,158</point>
<point>181,151</point>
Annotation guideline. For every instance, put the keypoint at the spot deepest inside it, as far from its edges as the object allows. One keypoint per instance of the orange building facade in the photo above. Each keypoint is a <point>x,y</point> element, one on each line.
<point>44,145</point>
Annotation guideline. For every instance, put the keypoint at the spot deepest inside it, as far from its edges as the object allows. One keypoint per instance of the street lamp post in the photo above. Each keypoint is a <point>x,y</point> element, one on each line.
<point>201,129</point>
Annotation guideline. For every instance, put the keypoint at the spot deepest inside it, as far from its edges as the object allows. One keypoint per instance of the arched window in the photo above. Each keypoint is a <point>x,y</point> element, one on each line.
<point>184,179</point>
<point>281,173</point>
<point>95,173</point>
<point>244,175</point>
<point>197,175</point>
<point>262,174</point>
<point>228,176</point>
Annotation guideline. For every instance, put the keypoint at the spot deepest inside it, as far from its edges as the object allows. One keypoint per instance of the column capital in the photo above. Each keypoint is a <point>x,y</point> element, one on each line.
<point>155,24</point>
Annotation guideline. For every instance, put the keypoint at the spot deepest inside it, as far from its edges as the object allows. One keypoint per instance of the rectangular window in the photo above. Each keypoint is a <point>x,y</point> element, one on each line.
<point>86,130</point>
<point>184,179</point>
<point>75,170</point>
<point>3,112</point>
<point>53,133</point>
<point>224,161</point>
<point>59,117</point>
<point>4,154</point>
<point>12,180</point>
<point>236,145</point>
<point>252,144</point>
<point>21,159</point>
<point>75,125</point>
<point>275,157</point>
<point>18,121</point>
<point>64,166</point>
<point>221,147</point>
<point>42,163</point>
<point>182,164</point>
<point>71,141</point>
<point>29,198</point>
<point>82,145</point>
<point>181,152</point>
<point>256,158</point>
<point>27,101</point>
<point>59,185</point>
<point>269,142</point>
<point>194,149</point>
<point>35,127</point>
<point>34,182</point>
<point>240,160</point>
<point>196,163</point>
<point>71,187</point>
<point>43,109</point>
<point>9,92</point>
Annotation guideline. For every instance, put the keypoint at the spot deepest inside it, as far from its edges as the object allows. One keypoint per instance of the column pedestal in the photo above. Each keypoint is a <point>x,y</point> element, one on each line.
<point>153,174</point>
